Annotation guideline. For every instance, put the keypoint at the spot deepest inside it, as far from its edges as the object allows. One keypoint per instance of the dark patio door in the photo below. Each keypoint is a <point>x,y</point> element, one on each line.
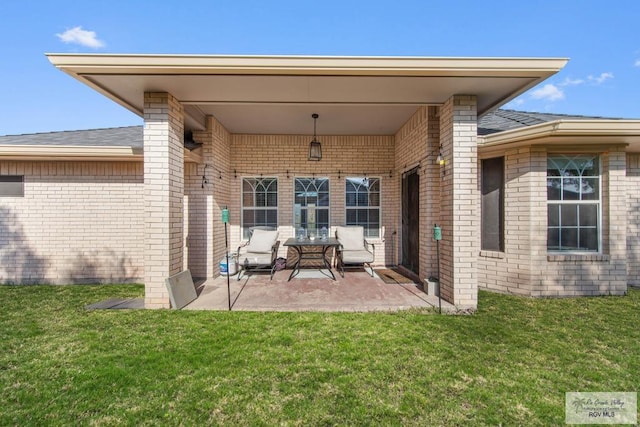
<point>411,220</point>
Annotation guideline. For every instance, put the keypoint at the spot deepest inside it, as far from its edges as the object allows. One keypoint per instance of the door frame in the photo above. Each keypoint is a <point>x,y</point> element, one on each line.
<point>410,220</point>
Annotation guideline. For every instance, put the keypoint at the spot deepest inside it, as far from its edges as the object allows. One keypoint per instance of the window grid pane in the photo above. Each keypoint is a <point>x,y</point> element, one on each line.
<point>259,203</point>
<point>573,209</point>
<point>311,203</point>
<point>362,198</point>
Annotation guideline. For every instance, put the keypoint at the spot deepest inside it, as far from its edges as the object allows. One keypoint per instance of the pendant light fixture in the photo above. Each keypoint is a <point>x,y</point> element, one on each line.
<point>315,149</point>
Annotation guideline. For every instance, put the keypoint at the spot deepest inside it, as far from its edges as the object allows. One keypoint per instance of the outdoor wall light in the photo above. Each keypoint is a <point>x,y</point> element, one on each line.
<point>440,158</point>
<point>315,149</point>
<point>204,176</point>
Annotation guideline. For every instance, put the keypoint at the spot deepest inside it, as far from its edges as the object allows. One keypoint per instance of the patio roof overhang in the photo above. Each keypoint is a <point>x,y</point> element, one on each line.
<point>278,94</point>
<point>568,132</point>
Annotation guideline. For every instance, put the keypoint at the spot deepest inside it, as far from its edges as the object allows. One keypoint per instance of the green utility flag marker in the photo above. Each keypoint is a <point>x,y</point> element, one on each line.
<point>437,232</point>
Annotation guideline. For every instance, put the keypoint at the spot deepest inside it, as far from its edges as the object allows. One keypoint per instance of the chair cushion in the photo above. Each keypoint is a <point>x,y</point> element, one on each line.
<point>356,257</point>
<point>262,240</point>
<point>255,259</point>
<point>351,238</point>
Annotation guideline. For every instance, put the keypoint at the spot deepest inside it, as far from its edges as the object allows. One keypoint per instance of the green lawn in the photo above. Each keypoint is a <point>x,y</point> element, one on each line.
<point>510,363</point>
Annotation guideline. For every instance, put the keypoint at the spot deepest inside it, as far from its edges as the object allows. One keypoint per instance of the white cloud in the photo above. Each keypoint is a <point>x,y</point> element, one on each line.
<point>555,92</point>
<point>514,104</point>
<point>601,78</point>
<point>597,80</point>
<point>82,37</point>
<point>637,63</point>
<point>549,92</point>
<point>571,82</point>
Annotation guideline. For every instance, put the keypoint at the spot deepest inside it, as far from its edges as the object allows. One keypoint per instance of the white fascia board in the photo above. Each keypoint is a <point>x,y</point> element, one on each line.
<point>305,65</point>
<point>613,131</point>
<point>77,153</point>
<point>70,152</point>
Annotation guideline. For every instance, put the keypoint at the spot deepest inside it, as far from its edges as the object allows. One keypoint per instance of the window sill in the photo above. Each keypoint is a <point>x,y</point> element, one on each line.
<point>578,257</point>
<point>492,254</point>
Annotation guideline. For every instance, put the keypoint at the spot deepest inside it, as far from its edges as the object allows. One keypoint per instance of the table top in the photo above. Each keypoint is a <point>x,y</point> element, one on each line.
<point>331,241</point>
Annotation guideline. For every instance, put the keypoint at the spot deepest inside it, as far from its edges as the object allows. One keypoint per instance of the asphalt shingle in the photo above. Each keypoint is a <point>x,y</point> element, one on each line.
<point>501,120</point>
<point>132,136</point>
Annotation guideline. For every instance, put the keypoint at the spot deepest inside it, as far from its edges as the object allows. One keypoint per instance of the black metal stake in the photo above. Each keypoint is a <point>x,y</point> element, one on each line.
<point>226,246</point>
<point>437,236</point>
<point>225,219</point>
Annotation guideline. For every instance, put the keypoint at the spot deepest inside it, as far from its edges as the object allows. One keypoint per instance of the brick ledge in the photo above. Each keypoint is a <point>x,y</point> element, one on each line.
<point>576,257</point>
<point>492,254</point>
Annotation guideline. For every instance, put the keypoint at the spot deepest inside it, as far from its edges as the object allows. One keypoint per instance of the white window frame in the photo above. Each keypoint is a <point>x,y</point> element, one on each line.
<point>327,208</point>
<point>243,208</point>
<point>346,208</point>
<point>597,202</point>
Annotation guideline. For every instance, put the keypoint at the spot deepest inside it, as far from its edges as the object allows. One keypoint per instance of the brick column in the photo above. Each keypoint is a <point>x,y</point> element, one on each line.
<point>617,216</point>
<point>633,217</point>
<point>460,216</point>
<point>163,194</point>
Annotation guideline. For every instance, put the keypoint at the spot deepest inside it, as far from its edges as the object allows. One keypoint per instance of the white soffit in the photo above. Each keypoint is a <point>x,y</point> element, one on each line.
<point>277,94</point>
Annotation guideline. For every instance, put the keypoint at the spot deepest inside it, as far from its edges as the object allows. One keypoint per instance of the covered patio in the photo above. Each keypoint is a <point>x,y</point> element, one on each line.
<point>248,120</point>
<point>312,291</point>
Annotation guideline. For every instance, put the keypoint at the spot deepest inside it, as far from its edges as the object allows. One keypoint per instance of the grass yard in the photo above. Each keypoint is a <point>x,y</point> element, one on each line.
<point>510,363</point>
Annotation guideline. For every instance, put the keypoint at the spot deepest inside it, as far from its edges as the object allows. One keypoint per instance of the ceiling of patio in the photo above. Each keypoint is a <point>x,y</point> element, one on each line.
<point>277,95</point>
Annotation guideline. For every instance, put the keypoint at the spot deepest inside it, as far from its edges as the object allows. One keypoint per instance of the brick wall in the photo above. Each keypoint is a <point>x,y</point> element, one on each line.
<point>510,271</point>
<point>196,214</point>
<point>417,145</point>
<point>574,275</point>
<point>204,230</point>
<point>217,158</point>
<point>163,194</point>
<point>525,267</point>
<point>78,222</point>
<point>285,157</point>
<point>633,218</point>
<point>460,199</point>
<point>83,222</point>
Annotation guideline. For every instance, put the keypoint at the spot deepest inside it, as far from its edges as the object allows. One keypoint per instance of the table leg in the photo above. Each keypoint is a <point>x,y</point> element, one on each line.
<point>296,266</point>
<point>324,260</point>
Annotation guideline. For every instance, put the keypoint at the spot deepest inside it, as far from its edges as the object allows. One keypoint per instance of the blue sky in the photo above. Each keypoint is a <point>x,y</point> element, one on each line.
<point>600,38</point>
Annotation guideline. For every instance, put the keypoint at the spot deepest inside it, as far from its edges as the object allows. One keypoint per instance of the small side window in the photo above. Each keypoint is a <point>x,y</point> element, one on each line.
<point>11,186</point>
<point>493,204</point>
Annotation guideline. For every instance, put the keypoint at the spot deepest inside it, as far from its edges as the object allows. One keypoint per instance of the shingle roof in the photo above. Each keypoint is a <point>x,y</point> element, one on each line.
<point>501,120</point>
<point>130,136</point>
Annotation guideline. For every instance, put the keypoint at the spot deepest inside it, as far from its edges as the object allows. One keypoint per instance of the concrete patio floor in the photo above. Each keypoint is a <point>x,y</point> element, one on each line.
<point>311,290</point>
